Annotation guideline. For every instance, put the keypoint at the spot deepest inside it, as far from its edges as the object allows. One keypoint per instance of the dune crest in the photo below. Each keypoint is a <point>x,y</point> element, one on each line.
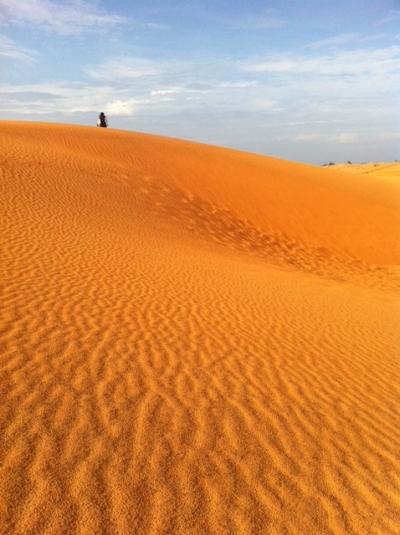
<point>194,339</point>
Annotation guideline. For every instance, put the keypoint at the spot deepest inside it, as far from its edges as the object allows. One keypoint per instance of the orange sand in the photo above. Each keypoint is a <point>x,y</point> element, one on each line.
<point>194,340</point>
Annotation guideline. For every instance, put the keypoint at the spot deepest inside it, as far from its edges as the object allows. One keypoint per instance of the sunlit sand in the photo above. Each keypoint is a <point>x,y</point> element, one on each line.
<point>194,340</point>
<point>388,171</point>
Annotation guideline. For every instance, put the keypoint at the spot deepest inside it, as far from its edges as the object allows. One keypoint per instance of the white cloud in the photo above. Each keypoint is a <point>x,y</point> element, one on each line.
<point>210,87</point>
<point>68,17</point>
<point>267,19</point>
<point>345,39</point>
<point>340,63</point>
<point>125,69</point>
<point>345,138</point>
<point>167,91</point>
<point>334,41</point>
<point>157,26</point>
<point>238,85</point>
<point>10,50</point>
<point>122,107</point>
<point>148,94</point>
<point>306,137</point>
<point>66,98</point>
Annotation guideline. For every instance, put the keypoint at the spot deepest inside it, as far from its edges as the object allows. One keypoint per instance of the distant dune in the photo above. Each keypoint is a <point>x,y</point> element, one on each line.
<point>194,340</point>
<point>389,171</point>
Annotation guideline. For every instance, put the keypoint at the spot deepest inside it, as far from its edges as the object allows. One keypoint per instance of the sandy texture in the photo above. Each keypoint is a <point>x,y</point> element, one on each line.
<point>194,340</point>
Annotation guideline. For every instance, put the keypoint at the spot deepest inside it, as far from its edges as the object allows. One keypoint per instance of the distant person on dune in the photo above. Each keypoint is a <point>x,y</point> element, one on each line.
<point>102,121</point>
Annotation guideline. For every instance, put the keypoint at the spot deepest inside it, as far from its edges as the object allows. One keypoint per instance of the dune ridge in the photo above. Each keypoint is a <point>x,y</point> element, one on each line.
<point>194,340</point>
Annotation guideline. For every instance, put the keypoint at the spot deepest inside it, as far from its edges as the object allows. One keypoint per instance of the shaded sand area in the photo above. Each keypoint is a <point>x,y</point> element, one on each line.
<point>194,340</point>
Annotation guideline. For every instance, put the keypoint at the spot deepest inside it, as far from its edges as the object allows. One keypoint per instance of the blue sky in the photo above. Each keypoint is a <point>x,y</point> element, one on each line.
<point>307,80</point>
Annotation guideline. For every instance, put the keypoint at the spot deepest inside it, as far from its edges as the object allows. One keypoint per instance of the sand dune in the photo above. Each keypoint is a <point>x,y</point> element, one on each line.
<point>387,171</point>
<point>194,340</point>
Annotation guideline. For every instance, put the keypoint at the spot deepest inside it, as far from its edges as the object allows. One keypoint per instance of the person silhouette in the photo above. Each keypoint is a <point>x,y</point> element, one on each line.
<point>102,121</point>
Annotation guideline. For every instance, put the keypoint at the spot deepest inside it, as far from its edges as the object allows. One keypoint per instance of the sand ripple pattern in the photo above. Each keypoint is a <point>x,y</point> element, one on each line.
<point>173,361</point>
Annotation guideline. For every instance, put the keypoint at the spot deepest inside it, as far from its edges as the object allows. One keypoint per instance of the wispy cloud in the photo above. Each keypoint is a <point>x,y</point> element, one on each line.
<point>69,17</point>
<point>336,41</point>
<point>71,98</point>
<point>157,26</point>
<point>66,98</point>
<point>184,85</point>
<point>391,16</point>
<point>125,69</point>
<point>150,93</point>
<point>267,19</point>
<point>345,84</point>
<point>340,63</point>
<point>10,50</point>
<point>327,96</point>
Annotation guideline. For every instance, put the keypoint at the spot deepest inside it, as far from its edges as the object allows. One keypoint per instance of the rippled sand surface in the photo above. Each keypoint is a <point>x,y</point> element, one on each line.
<point>194,340</point>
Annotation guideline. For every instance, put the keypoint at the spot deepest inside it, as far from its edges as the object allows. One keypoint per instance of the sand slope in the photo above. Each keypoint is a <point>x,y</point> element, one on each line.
<point>194,340</point>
